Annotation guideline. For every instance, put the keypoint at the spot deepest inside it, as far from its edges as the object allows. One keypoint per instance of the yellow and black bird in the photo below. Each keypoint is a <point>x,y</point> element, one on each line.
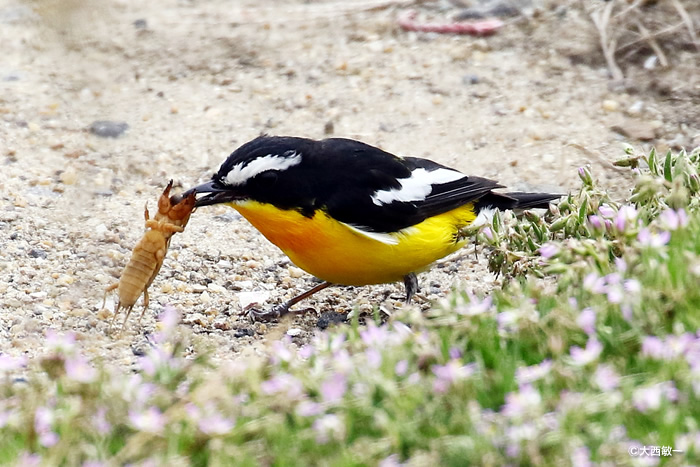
<point>350,213</point>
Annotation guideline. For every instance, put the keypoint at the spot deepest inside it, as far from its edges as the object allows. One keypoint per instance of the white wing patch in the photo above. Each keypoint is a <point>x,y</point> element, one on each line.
<point>387,239</point>
<point>239,173</point>
<point>416,187</point>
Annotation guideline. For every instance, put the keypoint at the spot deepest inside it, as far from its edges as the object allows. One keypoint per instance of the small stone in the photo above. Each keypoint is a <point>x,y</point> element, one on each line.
<point>108,128</point>
<point>295,272</point>
<point>78,312</point>
<point>643,131</point>
<point>470,79</point>
<point>252,264</point>
<point>65,279</point>
<point>636,108</point>
<point>198,288</point>
<point>610,105</point>
<point>101,229</point>
<point>293,332</point>
<point>246,299</point>
<point>328,128</point>
<point>38,253</point>
<point>195,318</point>
<point>242,332</point>
<point>205,297</point>
<point>216,288</point>
<point>69,176</point>
<point>330,318</point>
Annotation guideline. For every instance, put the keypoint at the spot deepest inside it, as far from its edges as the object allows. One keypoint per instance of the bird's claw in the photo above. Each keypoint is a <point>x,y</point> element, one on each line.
<point>273,313</point>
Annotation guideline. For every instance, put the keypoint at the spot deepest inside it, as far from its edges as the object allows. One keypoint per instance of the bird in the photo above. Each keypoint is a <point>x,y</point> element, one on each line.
<point>353,214</point>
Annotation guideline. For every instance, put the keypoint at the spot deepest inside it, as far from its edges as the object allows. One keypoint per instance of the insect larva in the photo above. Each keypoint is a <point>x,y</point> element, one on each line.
<point>149,253</point>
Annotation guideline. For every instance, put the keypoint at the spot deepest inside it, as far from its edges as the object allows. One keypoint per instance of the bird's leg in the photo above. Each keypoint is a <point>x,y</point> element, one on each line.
<point>411,282</point>
<point>281,310</point>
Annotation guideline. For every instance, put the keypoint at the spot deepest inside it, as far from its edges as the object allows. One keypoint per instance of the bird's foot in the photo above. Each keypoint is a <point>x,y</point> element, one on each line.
<point>273,313</point>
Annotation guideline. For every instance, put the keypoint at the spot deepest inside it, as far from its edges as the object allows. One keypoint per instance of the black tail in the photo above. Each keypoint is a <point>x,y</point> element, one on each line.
<point>516,200</point>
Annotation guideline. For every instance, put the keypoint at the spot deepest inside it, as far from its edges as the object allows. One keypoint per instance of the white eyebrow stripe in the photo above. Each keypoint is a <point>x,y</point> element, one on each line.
<point>385,238</point>
<point>239,173</point>
<point>416,187</point>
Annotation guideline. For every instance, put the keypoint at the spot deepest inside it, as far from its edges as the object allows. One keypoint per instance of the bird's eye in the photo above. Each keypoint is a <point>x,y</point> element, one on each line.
<point>269,176</point>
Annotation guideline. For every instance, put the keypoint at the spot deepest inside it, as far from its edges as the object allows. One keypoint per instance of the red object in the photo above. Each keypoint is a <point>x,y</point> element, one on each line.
<point>475,28</point>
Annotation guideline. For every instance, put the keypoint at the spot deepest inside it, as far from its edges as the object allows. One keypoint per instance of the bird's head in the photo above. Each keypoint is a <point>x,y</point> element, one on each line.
<point>251,172</point>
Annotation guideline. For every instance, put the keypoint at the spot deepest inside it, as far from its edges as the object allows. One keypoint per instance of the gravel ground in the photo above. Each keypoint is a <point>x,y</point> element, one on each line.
<point>184,83</point>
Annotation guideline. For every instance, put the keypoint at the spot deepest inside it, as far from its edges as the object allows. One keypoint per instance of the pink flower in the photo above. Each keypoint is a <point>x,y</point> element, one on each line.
<point>329,427</point>
<point>306,351</point>
<point>401,367</point>
<point>585,356</point>
<point>151,420</point>
<point>673,220</point>
<point>606,378</point>
<point>391,461</point>
<point>586,320</point>
<point>606,211</point>
<point>79,369</point>
<point>475,306</point>
<point>621,265</point>
<point>548,250</point>
<point>333,389</point>
<point>280,351</point>
<point>283,383</point>
<point>43,421</point>
<point>374,335</point>
<point>100,421</point>
<point>581,457</point>
<point>653,240</point>
<point>167,322</point>
<point>653,347</point>
<point>529,374</point>
<point>215,424</point>
<point>8,363</point>
<point>596,222</point>
<point>519,403</point>
<point>650,398</point>
<point>29,460</point>
<point>62,344</point>
<point>447,374</point>
<point>626,215</point>
<point>308,409</point>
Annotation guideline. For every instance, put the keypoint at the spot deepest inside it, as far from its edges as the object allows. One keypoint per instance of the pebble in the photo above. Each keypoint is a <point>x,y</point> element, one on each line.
<point>65,279</point>
<point>216,288</point>
<point>293,332</point>
<point>108,128</point>
<point>610,105</point>
<point>242,332</point>
<point>470,79</point>
<point>643,131</point>
<point>198,288</point>
<point>196,318</point>
<point>69,176</point>
<point>295,272</point>
<point>245,299</point>
<point>205,297</point>
<point>38,253</point>
<point>635,109</point>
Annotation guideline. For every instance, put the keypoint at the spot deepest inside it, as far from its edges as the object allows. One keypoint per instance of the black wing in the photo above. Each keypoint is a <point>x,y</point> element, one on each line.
<point>364,170</point>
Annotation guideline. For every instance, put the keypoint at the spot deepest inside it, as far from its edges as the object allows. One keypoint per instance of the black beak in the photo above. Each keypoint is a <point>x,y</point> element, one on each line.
<point>214,193</point>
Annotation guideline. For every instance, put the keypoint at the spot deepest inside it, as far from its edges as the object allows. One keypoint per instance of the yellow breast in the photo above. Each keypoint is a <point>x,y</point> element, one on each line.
<point>335,252</point>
